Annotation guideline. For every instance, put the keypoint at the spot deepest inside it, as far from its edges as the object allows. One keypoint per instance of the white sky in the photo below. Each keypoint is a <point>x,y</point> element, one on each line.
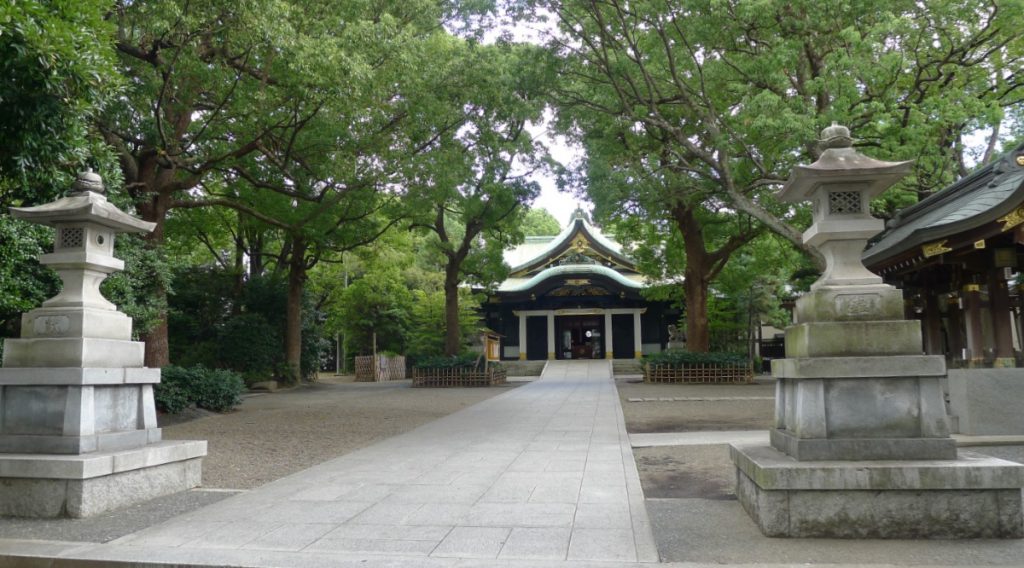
<point>559,204</point>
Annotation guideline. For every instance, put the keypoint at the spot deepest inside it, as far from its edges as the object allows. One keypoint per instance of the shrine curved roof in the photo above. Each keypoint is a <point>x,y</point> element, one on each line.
<point>525,284</point>
<point>986,195</point>
<point>537,251</point>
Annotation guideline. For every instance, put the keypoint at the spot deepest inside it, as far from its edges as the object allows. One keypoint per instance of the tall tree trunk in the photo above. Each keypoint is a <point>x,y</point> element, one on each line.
<point>698,337</point>
<point>293,310</point>
<point>696,278</point>
<point>157,350</point>
<point>702,267</point>
<point>452,332</point>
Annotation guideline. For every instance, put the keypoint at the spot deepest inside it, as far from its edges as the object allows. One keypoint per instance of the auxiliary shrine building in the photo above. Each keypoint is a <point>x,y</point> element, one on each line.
<point>575,296</point>
<point>957,255</point>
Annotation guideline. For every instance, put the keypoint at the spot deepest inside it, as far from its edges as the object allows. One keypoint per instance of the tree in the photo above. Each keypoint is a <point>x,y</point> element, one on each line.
<point>24,283</point>
<point>730,95</point>
<point>470,187</point>
<point>755,284</point>
<point>429,315</point>
<point>540,223</point>
<point>676,226</point>
<point>57,61</point>
<point>57,64</point>
<point>376,312</point>
<point>230,100</point>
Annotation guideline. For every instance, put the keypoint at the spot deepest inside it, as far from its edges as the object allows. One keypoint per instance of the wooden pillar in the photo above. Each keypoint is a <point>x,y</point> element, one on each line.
<point>638,347</point>
<point>551,335</point>
<point>609,351</point>
<point>972,315</point>
<point>932,327</point>
<point>1002,323</point>
<point>522,336</point>
<point>955,330</point>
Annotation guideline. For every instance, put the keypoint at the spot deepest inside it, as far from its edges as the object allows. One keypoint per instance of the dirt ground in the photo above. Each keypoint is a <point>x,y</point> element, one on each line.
<point>725,407</point>
<point>273,435</point>
<point>699,471</point>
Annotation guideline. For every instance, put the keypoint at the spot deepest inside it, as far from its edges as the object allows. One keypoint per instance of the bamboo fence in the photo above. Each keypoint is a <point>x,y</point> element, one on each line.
<point>380,368</point>
<point>740,374</point>
<point>454,377</point>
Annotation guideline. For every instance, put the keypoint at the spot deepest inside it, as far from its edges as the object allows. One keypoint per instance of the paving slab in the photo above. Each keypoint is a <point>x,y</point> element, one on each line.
<point>544,470</point>
<point>702,438</point>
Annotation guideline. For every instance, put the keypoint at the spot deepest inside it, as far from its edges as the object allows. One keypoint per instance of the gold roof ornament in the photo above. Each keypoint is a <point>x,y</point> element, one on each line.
<point>580,244</point>
<point>935,249</point>
<point>1013,218</point>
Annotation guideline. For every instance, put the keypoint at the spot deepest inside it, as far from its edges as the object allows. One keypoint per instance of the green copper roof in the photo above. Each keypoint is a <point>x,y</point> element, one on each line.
<point>569,270</point>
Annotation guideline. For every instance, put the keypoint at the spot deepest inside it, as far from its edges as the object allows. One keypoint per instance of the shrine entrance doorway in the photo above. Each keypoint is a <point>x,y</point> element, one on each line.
<point>580,337</point>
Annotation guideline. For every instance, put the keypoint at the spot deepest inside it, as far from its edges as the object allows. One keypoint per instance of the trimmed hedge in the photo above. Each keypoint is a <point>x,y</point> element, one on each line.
<point>218,390</point>
<point>679,359</point>
<point>464,361</point>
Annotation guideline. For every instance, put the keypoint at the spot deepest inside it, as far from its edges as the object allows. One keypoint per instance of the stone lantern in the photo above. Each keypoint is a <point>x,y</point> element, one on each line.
<point>78,430</point>
<point>861,445</point>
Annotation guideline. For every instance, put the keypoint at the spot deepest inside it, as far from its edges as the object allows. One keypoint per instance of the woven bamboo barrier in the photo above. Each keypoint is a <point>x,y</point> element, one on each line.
<point>457,377</point>
<point>381,368</point>
<point>698,374</point>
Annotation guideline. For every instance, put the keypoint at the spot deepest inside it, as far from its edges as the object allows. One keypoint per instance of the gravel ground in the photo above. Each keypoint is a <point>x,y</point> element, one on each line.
<point>273,435</point>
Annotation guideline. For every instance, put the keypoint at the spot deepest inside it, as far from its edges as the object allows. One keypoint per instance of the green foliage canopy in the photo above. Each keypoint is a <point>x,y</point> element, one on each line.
<point>538,222</point>
<point>57,64</point>
<point>699,110</point>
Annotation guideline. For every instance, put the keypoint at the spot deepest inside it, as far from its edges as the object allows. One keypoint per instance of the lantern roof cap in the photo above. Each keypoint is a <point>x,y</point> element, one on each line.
<point>842,165</point>
<point>84,205</point>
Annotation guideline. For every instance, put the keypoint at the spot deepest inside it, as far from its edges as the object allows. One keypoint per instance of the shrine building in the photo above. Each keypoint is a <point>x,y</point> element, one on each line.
<point>957,256</point>
<point>575,295</point>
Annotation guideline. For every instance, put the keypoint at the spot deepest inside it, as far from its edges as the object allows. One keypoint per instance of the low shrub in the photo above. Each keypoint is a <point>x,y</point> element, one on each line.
<point>463,361</point>
<point>172,393</point>
<point>679,358</point>
<point>218,390</point>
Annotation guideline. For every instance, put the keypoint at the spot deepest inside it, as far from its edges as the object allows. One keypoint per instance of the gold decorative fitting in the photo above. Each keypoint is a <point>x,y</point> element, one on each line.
<point>580,243</point>
<point>577,282</point>
<point>934,249</point>
<point>972,287</point>
<point>1020,160</point>
<point>578,291</point>
<point>979,244</point>
<point>1013,218</point>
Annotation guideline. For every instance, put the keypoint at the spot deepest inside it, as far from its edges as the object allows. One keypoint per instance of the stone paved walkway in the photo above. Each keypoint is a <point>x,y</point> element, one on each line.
<point>541,473</point>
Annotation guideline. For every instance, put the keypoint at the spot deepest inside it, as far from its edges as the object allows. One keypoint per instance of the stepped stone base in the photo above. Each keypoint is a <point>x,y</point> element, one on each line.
<point>58,444</point>
<point>817,449</point>
<point>973,496</point>
<point>49,486</point>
